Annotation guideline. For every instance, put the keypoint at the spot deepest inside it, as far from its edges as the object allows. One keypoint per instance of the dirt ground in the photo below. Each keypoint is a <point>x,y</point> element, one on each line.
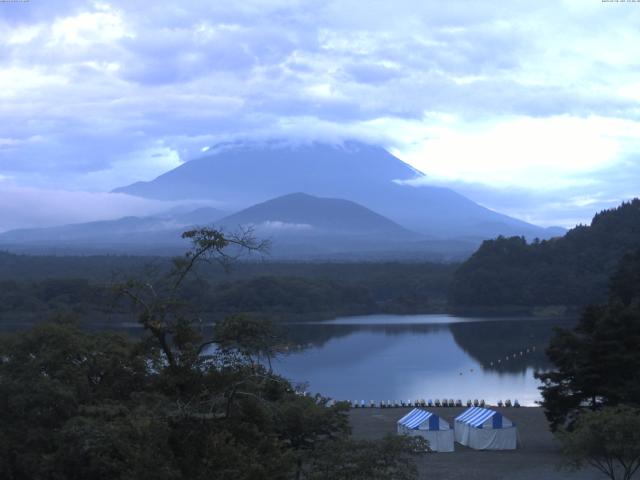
<point>537,457</point>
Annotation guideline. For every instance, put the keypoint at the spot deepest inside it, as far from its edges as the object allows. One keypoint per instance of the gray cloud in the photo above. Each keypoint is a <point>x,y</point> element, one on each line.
<point>88,91</point>
<point>371,73</point>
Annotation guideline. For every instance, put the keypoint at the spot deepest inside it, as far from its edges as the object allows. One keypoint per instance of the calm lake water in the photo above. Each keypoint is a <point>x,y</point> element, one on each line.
<point>392,357</point>
<point>410,357</point>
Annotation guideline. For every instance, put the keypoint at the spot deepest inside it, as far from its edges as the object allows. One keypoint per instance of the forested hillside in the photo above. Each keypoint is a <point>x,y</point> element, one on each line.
<point>34,287</point>
<point>573,270</point>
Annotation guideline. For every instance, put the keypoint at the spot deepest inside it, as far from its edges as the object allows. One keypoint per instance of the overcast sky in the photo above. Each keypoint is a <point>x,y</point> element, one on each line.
<point>528,107</point>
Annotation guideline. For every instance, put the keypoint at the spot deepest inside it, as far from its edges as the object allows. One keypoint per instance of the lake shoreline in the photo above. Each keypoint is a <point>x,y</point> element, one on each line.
<point>115,318</point>
<point>103,320</point>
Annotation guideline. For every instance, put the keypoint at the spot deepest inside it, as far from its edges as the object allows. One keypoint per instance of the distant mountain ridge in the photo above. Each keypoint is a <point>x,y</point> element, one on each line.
<point>304,226</point>
<point>127,231</point>
<point>299,226</point>
<point>353,202</point>
<point>241,175</point>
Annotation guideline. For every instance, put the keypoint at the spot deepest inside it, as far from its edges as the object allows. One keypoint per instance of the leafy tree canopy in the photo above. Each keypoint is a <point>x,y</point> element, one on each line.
<point>598,362</point>
<point>608,440</point>
<point>76,404</point>
<point>572,270</point>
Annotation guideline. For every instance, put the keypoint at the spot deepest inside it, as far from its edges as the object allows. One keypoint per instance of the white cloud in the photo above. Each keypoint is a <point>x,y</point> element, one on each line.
<point>279,226</point>
<point>87,28</point>
<point>32,207</point>
<point>140,165</point>
<point>18,82</point>
<point>539,153</point>
<point>24,34</point>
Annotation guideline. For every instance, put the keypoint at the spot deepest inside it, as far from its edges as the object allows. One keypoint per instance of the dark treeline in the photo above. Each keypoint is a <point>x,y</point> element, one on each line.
<point>591,396</point>
<point>598,362</point>
<point>572,270</point>
<point>77,405</point>
<point>96,268</point>
<point>36,286</point>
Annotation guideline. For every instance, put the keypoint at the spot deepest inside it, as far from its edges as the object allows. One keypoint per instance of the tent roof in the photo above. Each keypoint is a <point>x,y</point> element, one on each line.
<point>475,416</point>
<point>415,418</point>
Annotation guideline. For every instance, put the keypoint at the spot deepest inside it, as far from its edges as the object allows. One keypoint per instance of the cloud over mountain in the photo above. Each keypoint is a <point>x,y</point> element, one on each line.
<point>91,92</point>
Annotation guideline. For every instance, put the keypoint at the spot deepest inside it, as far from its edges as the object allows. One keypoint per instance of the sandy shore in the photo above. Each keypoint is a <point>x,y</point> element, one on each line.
<point>537,458</point>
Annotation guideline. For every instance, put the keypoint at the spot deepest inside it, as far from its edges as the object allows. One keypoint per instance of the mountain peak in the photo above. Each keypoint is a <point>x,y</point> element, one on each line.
<point>348,146</point>
<point>332,215</point>
<point>243,173</point>
<point>239,174</point>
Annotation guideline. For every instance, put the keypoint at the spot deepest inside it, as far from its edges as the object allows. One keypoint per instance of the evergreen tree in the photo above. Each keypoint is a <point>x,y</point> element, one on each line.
<point>598,362</point>
<point>573,270</point>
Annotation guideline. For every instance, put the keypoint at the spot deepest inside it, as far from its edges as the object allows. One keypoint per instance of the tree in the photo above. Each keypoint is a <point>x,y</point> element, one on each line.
<point>598,362</point>
<point>570,270</point>
<point>608,440</point>
<point>308,422</point>
<point>76,404</point>
<point>247,335</point>
<point>159,306</point>
<point>50,375</point>
<point>349,459</point>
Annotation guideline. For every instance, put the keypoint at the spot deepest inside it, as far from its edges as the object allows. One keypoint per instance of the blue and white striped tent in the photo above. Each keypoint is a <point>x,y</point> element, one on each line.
<point>436,431</point>
<point>485,429</point>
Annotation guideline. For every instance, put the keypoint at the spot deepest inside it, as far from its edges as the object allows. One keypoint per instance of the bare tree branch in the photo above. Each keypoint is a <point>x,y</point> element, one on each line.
<point>157,303</point>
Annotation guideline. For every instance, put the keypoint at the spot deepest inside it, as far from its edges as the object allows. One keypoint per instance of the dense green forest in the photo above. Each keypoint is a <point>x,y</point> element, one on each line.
<point>598,362</point>
<point>503,274</point>
<point>33,287</point>
<point>591,395</point>
<point>572,270</point>
<point>78,405</point>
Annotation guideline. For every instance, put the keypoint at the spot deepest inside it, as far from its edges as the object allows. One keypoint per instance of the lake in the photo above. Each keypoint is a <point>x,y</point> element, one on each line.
<point>409,357</point>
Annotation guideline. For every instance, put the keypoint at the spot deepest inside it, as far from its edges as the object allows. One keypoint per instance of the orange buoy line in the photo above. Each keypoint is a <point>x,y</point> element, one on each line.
<point>444,402</point>
<point>512,356</point>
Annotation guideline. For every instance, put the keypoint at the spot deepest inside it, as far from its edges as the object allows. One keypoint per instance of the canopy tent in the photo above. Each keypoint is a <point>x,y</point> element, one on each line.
<point>484,429</point>
<point>436,431</point>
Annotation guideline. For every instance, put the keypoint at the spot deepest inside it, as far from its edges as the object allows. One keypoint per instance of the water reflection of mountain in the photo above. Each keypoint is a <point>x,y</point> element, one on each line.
<point>507,345</point>
<point>314,335</point>
<point>494,344</point>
